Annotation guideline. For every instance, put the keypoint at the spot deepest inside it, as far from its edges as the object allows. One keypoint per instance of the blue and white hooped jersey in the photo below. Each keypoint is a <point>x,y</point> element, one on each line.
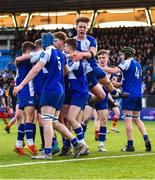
<point>132,77</point>
<point>84,46</point>
<point>54,63</point>
<point>77,78</point>
<point>23,69</point>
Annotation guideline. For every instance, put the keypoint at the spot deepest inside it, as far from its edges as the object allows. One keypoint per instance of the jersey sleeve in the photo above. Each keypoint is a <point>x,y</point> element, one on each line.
<point>73,65</point>
<point>93,42</point>
<point>124,65</point>
<point>44,57</point>
<point>35,57</point>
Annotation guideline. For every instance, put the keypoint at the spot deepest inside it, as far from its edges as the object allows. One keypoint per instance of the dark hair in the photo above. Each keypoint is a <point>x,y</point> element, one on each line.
<point>27,45</point>
<point>60,35</point>
<point>72,42</point>
<point>82,19</point>
<point>128,52</point>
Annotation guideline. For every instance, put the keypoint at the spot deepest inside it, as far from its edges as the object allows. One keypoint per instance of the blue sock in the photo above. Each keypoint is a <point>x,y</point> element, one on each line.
<point>114,92</point>
<point>74,142</point>
<point>102,133</point>
<point>84,127</point>
<point>63,141</point>
<point>67,143</point>
<point>34,132</point>
<point>48,151</point>
<point>145,137</point>
<point>42,136</point>
<point>21,132</point>
<point>54,141</point>
<point>79,133</point>
<point>130,143</point>
<point>29,133</point>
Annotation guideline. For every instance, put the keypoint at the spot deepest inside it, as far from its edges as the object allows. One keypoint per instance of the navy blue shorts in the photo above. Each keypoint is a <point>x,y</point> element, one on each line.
<point>101,105</point>
<point>91,78</point>
<point>132,104</point>
<point>79,100</point>
<point>94,76</point>
<point>99,73</point>
<point>26,101</point>
<point>54,99</point>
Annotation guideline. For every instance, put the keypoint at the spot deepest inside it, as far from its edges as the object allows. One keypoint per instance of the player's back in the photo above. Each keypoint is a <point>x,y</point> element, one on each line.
<point>55,68</point>
<point>23,69</point>
<point>132,78</point>
<point>77,77</point>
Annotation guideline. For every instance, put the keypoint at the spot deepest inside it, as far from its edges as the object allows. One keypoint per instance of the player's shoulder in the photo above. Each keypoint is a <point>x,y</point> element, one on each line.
<point>90,38</point>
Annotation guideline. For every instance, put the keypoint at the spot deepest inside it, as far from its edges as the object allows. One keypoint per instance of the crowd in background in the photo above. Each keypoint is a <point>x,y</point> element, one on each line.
<point>142,39</point>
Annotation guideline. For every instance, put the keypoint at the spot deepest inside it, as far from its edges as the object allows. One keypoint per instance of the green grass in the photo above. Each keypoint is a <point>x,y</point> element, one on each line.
<point>137,167</point>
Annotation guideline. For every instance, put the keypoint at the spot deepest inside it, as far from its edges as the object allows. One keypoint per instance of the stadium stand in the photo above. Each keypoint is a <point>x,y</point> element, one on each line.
<point>140,38</point>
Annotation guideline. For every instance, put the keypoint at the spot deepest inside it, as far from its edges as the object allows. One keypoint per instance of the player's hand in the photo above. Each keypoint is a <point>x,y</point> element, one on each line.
<point>16,90</point>
<point>77,56</point>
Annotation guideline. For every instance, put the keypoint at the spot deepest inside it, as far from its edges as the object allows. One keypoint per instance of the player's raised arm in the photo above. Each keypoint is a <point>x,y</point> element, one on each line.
<point>111,70</point>
<point>33,72</point>
<point>31,75</point>
<point>23,57</point>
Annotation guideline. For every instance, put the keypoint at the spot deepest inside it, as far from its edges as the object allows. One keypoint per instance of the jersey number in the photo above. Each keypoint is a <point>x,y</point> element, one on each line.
<point>137,73</point>
<point>59,65</point>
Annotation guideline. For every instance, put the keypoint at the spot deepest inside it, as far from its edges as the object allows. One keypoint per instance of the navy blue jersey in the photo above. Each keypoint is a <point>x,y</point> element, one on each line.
<point>132,77</point>
<point>23,69</point>
<point>54,60</point>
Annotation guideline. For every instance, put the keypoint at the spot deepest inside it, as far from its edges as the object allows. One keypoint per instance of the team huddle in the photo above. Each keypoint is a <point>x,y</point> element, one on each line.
<point>60,81</point>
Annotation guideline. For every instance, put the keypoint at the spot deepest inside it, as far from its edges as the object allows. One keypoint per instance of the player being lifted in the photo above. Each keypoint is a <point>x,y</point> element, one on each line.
<point>87,47</point>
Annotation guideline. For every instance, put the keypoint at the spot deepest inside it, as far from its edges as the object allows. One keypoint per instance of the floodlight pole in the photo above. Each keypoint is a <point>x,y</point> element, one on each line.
<point>149,16</point>
<point>28,20</point>
<point>15,19</point>
<point>93,20</point>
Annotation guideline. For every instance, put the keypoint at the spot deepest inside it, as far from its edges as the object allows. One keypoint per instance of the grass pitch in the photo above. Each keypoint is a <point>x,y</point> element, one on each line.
<point>113,164</point>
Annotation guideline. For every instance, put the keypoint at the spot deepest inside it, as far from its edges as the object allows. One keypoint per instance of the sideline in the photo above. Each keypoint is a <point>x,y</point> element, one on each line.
<point>74,160</point>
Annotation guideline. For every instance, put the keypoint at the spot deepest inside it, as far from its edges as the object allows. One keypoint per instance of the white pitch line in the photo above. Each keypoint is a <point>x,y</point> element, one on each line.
<point>74,160</point>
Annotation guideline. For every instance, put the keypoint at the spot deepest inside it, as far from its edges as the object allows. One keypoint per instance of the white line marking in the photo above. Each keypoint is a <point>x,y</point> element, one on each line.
<point>73,160</point>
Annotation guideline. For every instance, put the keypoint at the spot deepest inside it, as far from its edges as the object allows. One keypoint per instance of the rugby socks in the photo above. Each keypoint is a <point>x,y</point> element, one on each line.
<point>54,141</point>
<point>20,136</point>
<point>96,133</point>
<point>63,141</point>
<point>102,134</point>
<point>114,92</point>
<point>68,143</point>
<point>48,151</point>
<point>114,123</point>
<point>79,133</point>
<point>130,143</point>
<point>74,142</point>
<point>84,127</point>
<point>42,136</point>
<point>34,132</point>
<point>145,137</point>
<point>29,133</point>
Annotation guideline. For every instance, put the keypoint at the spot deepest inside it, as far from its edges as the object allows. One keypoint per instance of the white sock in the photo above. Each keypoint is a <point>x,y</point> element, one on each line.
<point>82,141</point>
<point>19,143</point>
<point>30,142</point>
